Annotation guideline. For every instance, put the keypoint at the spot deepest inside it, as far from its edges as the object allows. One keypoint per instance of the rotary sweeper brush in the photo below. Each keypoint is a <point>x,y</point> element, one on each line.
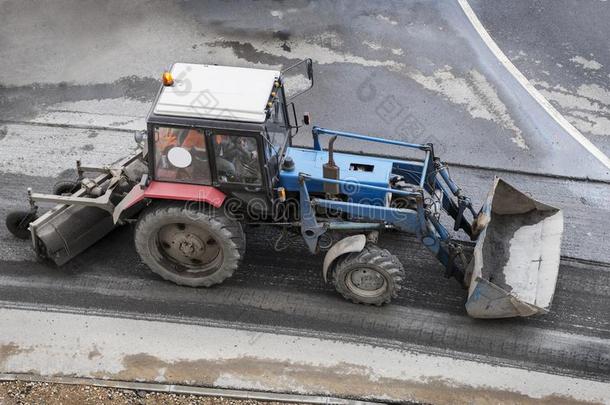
<point>217,156</point>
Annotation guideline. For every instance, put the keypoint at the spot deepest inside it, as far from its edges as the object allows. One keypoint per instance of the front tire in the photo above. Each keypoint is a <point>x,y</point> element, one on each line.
<point>188,246</point>
<point>66,187</point>
<point>372,276</point>
<point>18,222</point>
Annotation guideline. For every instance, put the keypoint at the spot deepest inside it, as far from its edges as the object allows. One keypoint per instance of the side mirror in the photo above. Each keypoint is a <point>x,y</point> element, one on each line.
<point>306,118</point>
<point>308,63</point>
<point>139,136</point>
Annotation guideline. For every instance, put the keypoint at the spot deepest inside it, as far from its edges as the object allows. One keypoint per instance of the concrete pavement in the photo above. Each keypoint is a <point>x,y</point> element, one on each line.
<point>126,349</point>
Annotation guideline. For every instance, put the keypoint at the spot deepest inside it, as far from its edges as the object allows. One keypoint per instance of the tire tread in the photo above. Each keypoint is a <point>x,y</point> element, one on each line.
<point>230,230</point>
<point>371,254</point>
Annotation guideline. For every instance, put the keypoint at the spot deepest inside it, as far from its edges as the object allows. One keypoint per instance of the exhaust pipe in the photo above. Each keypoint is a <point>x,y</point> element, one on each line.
<point>516,258</point>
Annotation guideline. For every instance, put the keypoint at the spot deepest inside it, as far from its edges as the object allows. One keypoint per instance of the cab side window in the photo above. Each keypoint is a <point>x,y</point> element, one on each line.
<point>237,159</point>
<point>181,155</point>
<point>277,129</point>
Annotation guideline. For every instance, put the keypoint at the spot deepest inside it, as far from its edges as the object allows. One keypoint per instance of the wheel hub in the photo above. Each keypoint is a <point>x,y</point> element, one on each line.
<point>188,245</point>
<point>367,279</point>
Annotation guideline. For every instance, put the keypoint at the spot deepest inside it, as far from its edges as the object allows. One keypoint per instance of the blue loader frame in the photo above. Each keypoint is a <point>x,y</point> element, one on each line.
<point>431,176</point>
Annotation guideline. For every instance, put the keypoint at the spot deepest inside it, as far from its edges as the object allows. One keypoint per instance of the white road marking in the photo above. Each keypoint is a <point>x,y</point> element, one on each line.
<point>118,348</point>
<point>535,94</point>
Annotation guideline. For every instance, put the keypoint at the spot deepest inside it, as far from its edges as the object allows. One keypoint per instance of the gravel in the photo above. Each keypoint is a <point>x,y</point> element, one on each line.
<point>41,393</point>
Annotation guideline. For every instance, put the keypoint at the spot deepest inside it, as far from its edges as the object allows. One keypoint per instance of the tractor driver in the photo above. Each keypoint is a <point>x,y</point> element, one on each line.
<point>193,141</point>
<point>237,159</point>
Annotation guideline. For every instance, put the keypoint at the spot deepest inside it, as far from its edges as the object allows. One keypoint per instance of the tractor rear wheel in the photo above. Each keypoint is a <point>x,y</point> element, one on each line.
<point>372,276</point>
<point>192,247</point>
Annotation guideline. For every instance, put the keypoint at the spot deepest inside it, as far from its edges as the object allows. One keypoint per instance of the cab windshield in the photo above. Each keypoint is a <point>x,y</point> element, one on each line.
<point>181,155</point>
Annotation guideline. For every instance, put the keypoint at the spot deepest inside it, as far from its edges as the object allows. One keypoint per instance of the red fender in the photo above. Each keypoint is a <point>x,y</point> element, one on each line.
<point>184,192</point>
<point>170,191</point>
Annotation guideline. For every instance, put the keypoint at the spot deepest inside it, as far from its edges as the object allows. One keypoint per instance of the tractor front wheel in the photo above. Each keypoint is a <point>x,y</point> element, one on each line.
<point>192,247</point>
<point>372,276</point>
<point>66,187</point>
<point>18,222</point>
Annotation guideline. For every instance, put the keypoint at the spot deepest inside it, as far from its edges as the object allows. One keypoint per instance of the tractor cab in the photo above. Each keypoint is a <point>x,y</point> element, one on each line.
<point>219,126</point>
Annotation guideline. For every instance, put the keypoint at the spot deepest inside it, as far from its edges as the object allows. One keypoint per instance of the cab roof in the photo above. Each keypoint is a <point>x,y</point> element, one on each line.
<point>217,92</point>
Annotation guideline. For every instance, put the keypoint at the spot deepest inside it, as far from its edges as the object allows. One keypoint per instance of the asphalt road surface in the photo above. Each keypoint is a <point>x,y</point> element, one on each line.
<point>74,76</point>
<point>562,47</point>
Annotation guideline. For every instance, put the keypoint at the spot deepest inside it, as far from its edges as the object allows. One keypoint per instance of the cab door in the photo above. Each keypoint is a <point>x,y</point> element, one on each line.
<point>238,168</point>
<point>277,139</point>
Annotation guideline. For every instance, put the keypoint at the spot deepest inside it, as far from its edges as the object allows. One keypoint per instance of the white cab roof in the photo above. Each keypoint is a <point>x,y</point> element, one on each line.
<point>217,92</point>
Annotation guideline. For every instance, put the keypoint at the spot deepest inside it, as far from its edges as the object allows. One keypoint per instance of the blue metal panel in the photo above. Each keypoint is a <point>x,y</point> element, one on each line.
<point>310,162</point>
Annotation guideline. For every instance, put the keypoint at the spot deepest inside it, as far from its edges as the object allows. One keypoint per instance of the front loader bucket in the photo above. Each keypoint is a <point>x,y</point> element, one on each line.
<point>516,258</point>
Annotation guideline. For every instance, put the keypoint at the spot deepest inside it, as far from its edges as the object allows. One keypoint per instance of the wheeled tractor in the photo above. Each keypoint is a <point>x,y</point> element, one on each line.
<point>217,156</point>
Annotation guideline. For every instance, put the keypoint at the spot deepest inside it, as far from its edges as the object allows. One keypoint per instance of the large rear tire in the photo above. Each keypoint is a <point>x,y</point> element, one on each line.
<point>372,276</point>
<point>189,246</point>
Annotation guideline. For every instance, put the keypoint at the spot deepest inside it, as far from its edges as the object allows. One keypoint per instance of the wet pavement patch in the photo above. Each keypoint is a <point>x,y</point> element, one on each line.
<point>23,102</point>
<point>247,51</point>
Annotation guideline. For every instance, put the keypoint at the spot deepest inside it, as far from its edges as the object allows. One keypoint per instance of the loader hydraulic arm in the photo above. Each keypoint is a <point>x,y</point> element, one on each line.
<point>455,210</point>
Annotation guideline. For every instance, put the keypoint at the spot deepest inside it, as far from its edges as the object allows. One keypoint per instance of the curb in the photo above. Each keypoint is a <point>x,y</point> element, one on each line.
<point>184,389</point>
